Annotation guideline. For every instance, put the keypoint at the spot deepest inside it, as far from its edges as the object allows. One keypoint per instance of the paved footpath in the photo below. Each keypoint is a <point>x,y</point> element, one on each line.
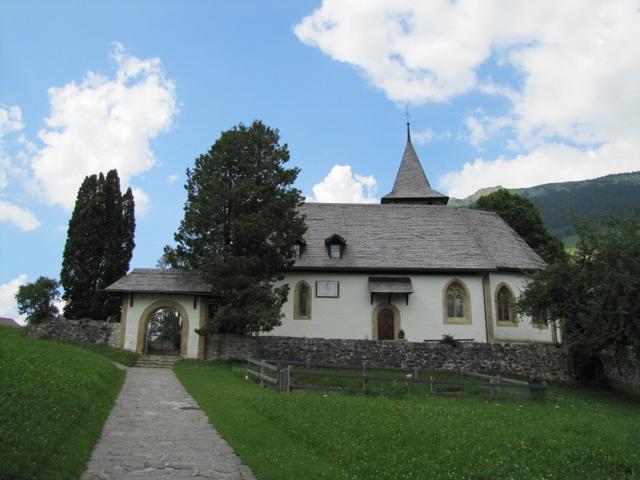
<point>156,430</point>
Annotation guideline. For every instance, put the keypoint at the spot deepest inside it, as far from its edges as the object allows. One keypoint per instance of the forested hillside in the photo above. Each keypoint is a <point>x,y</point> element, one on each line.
<point>613,193</point>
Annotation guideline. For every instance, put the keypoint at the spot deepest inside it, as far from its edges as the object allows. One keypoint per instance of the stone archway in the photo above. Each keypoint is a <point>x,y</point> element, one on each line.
<point>146,317</point>
<point>375,316</point>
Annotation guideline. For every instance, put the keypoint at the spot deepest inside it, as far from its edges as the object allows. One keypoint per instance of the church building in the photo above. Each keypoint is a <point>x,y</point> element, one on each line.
<point>409,268</point>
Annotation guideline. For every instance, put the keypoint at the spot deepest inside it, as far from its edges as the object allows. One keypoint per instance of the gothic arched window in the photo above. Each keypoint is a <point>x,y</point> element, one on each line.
<point>302,301</point>
<point>457,307</point>
<point>504,306</point>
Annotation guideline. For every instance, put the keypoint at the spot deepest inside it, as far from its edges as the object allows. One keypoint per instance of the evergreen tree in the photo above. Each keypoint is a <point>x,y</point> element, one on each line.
<point>240,226</point>
<point>99,246</point>
<point>525,219</point>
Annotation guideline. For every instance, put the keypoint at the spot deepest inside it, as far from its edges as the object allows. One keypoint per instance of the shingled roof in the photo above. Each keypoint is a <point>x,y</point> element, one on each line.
<point>158,280</point>
<point>411,184</point>
<point>412,238</point>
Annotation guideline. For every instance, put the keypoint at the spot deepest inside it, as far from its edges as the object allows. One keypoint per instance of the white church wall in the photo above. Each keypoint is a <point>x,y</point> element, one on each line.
<point>525,330</point>
<point>141,301</point>
<point>350,315</point>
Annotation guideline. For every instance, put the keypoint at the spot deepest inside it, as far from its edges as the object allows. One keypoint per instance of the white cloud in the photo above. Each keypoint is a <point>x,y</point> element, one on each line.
<point>8,306</point>
<point>341,185</point>
<point>172,179</point>
<point>23,218</point>
<point>142,201</point>
<point>554,162</point>
<point>577,62</point>
<point>481,127</point>
<point>10,122</point>
<point>103,123</point>
<point>422,137</point>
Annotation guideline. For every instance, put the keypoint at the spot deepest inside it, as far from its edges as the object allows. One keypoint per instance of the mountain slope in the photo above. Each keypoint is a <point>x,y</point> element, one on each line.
<point>557,201</point>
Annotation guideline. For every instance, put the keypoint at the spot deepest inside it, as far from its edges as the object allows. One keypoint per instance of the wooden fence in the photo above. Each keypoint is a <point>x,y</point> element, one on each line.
<point>291,375</point>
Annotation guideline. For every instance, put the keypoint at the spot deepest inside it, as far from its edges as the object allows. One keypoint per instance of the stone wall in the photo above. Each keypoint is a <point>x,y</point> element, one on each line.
<point>622,367</point>
<point>539,360</point>
<point>84,330</point>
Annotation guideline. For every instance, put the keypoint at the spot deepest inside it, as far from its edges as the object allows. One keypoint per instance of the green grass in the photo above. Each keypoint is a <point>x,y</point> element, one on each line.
<point>114,354</point>
<point>574,434</point>
<point>54,400</point>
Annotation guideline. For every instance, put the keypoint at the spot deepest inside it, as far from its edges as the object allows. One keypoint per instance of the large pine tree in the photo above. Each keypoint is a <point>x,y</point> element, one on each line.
<point>100,242</point>
<point>240,226</point>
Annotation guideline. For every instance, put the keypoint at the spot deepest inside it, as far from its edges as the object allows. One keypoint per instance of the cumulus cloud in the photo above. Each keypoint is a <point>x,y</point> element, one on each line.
<point>8,307</point>
<point>341,185</point>
<point>421,137</point>
<point>22,217</point>
<point>103,123</point>
<point>142,201</point>
<point>172,179</point>
<point>11,122</point>
<point>553,162</point>
<point>577,67</point>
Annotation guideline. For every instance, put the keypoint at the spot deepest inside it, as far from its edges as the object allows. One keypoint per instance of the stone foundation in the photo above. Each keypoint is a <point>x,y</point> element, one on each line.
<point>538,360</point>
<point>83,330</point>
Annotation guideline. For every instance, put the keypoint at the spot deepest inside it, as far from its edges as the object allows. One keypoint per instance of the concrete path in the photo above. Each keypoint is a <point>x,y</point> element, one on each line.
<point>156,430</point>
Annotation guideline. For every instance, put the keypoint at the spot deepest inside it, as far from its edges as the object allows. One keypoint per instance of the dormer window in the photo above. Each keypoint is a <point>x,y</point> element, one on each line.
<point>298,248</point>
<point>335,246</point>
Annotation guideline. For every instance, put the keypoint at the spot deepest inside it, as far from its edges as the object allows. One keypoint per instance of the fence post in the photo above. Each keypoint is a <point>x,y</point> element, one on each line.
<point>492,388</point>
<point>498,387</point>
<point>307,367</point>
<point>289,375</point>
<point>261,373</point>
<point>432,386</point>
<point>537,390</point>
<point>413,380</point>
<point>365,381</point>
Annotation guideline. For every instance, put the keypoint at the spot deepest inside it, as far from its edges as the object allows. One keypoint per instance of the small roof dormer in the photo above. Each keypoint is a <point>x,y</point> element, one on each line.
<point>335,246</point>
<point>411,185</point>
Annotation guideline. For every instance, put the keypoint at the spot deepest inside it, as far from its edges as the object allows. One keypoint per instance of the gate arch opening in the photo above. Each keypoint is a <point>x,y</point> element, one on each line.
<point>163,329</point>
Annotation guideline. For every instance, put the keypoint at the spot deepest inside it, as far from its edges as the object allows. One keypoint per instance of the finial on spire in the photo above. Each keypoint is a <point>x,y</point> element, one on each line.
<point>406,112</point>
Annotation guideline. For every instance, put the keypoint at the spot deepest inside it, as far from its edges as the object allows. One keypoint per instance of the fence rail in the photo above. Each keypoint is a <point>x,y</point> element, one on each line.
<point>285,377</point>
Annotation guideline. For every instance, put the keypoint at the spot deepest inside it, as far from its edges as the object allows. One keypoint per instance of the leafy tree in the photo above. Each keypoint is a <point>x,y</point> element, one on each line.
<point>36,299</point>
<point>240,225</point>
<point>100,242</point>
<point>594,293</point>
<point>525,219</point>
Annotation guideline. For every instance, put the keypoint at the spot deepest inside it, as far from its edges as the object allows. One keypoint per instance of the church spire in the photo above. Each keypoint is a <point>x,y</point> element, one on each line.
<point>411,185</point>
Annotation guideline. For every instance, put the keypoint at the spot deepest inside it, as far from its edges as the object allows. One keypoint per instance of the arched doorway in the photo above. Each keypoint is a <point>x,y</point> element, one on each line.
<point>163,334</point>
<point>386,327</point>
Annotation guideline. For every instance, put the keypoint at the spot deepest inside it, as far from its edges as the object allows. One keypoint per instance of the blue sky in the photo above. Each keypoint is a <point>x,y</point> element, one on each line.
<point>515,95</point>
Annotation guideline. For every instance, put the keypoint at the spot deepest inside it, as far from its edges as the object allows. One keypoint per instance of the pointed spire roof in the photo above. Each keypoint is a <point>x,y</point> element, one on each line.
<point>411,185</point>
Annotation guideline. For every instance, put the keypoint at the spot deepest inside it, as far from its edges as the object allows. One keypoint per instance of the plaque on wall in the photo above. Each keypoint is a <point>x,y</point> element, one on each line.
<point>328,289</point>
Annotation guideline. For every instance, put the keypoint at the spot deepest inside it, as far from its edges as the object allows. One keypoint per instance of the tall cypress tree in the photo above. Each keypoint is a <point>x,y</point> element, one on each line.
<point>99,246</point>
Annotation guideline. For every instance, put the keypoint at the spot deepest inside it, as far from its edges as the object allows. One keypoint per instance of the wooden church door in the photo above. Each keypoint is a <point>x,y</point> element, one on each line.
<point>385,325</point>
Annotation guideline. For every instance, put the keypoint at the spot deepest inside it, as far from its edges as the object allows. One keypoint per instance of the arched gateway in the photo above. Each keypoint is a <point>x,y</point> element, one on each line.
<point>161,309</point>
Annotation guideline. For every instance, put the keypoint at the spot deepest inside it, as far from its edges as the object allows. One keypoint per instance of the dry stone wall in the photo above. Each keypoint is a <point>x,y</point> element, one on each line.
<point>83,330</point>
<point>530,360</point>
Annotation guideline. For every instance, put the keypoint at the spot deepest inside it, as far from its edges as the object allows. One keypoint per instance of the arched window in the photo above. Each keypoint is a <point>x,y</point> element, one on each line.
<point>302,301</point>
<point>456,304</point>
<point>504,306</point>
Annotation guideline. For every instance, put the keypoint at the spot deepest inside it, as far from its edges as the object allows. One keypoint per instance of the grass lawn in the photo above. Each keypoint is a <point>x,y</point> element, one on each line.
<point>574,434</point>
<point>115,354</point>
<point>54,400</point>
